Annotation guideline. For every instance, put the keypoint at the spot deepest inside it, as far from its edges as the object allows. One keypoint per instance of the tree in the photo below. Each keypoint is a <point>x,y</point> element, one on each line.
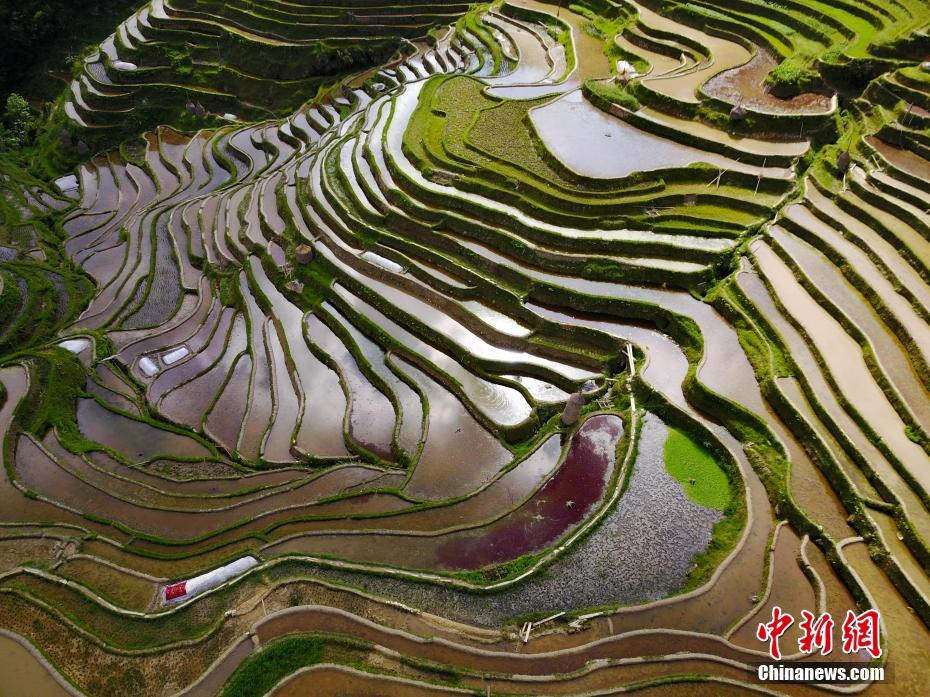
<point>18,120</point>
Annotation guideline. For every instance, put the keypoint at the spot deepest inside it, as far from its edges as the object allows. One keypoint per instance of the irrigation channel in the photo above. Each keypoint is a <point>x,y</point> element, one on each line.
<point>506,371</point>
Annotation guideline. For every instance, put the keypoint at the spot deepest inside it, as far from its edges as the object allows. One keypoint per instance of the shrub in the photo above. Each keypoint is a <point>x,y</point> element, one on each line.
<point>19,123</point>
<point>792,76</point>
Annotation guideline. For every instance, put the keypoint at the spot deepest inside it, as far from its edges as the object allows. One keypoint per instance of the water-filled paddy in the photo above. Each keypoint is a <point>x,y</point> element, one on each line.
<point>337,330</point>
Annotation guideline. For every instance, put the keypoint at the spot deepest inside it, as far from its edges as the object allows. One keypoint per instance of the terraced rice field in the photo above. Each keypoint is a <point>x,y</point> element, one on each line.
<point>447,323</point>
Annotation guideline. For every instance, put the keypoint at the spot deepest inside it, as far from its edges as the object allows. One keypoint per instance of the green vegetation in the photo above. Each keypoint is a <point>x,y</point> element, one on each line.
<point>696,470</point>
<point>402,256</point>
<point>793,76</point>
<point>62,29</point>
<point>259,673</point>
<point>614,93</point>
<point>18,125</point>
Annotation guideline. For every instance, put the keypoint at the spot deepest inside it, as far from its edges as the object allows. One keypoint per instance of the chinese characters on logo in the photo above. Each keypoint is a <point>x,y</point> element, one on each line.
<point>858,632</point>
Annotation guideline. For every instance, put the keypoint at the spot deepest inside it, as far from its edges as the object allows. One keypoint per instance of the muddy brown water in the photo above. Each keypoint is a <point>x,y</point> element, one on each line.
<point>172,568</point>
<point>755,146</point>
<point>58,482</point>
<point>887,349</point>
<point>891,536</point>
<point>260,406</point>
<point>560,504</point>
<point>166,180</point>
<point>307,619</point>
<point>135,439</point>
<point>210,684</point>
<point>836,594</point>
<point>902,232</point>
<point>15,505</point>
<point>790,590</point>
<point>563,502</point>
<point>905,160</point>
<point>648,680</point>
<point>844,357</point>
<point>100,266</point>
<point>752,285</point>
<point>459,454</point>
<point>801,487</point>
<point>724,55</point>
<point>115,400</point>
<point>746,85</point>
<point>590,61</point>
<point>210,480</point>
<point>205,347</point>
<point>106,376</point>
<point>907,639</point>
<point>889,353</point>
<point>499,403</point>
<point>185,324</point>
<point>277,444</point>
<point>534,64</point>
<point>223,421</point>
<point>320,430</point>
<point>23,673</point>
<point>864,236</point>
<point>81,227</point>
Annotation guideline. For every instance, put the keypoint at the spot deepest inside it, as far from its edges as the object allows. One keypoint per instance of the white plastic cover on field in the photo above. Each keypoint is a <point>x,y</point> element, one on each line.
<point>184,590</point>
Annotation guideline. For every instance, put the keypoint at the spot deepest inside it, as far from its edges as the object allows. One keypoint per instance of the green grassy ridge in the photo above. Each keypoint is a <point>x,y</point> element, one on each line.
<point>857,25</point>
<point>204,69</point>
<point>260,672</point>
<point>465,206</point>
<point>918,363</point>
<point>914,431</point>
<point>384,232</point>
<point>846,44</point>
<point>854,413</point>
<point>51,298</point>
<point>732,302</point>
<point>55,291</point>
<point>499,152</point>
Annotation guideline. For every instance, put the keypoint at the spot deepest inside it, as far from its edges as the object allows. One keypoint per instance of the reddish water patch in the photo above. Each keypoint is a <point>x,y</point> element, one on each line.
<point>560,504</point>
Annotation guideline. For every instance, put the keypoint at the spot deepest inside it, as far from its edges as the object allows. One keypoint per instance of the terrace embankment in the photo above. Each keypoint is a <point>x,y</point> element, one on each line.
<point>450,320</point>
